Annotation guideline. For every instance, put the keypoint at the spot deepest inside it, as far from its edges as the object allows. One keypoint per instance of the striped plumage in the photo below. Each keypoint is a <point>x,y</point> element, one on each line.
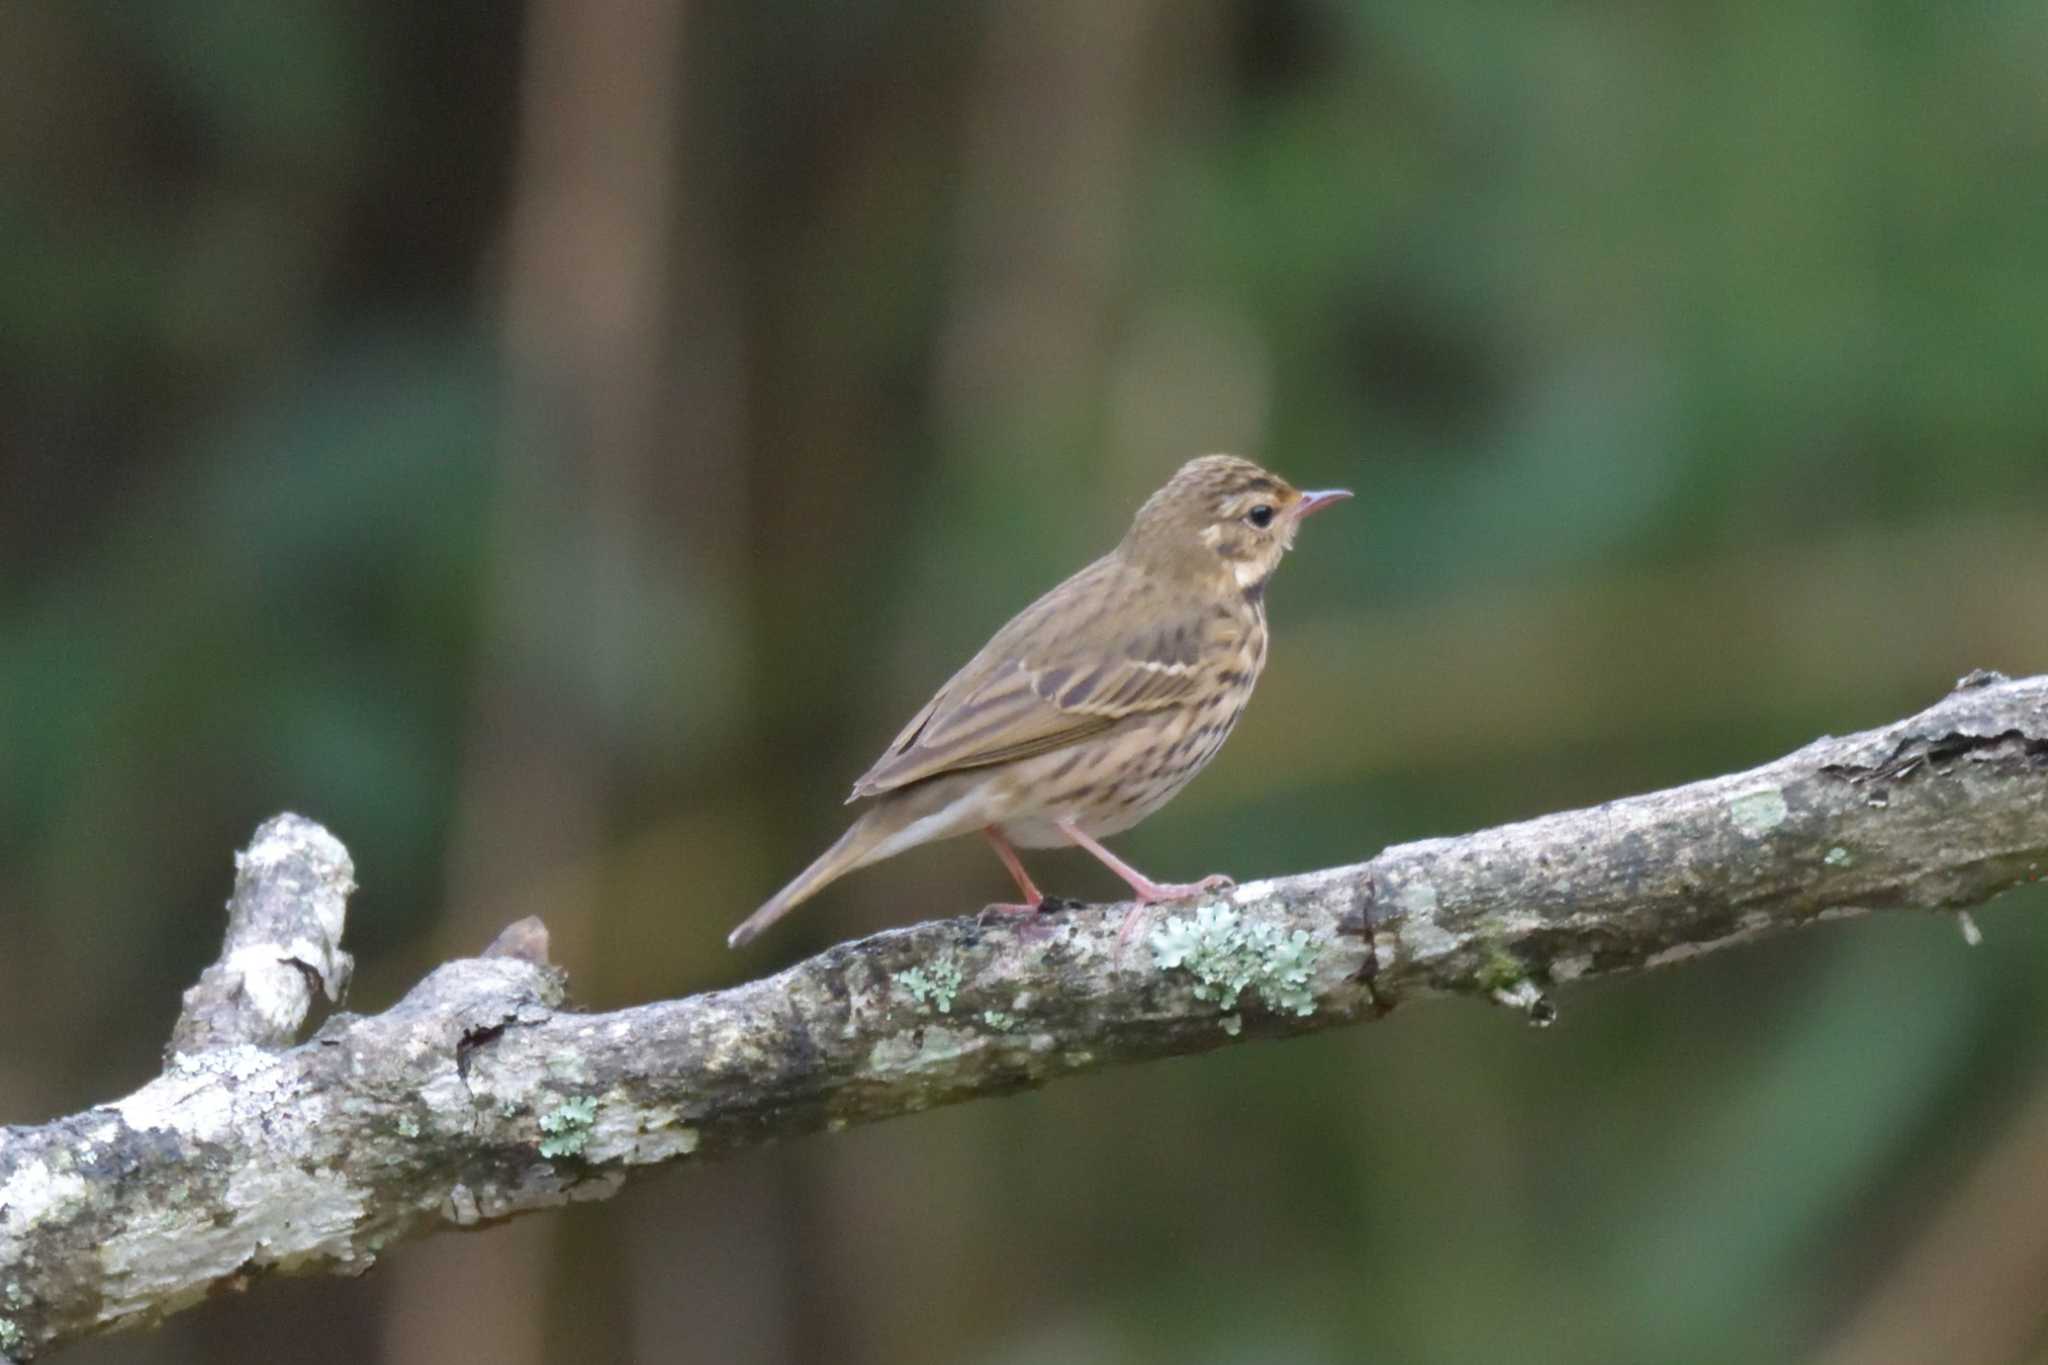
<point>1096,703</point>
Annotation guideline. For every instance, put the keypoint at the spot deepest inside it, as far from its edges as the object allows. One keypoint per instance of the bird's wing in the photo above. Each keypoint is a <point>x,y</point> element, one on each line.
<point>1074,663</point>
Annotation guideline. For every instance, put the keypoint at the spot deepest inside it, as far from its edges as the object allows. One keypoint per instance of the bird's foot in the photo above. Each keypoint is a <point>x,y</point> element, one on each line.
<point>1005,910</point>
<point>1044,905</point>
<point>1158,893</point>
<point>1151,892</point>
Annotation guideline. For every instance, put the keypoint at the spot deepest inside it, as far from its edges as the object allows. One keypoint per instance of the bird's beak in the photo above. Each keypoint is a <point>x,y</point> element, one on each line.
<point>1316,500</point>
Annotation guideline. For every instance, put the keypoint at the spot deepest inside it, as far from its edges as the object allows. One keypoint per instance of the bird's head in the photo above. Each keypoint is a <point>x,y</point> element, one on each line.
<point>1225,513</point>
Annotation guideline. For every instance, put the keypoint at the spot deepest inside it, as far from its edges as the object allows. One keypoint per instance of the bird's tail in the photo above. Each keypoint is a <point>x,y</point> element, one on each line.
<point>860,844</point>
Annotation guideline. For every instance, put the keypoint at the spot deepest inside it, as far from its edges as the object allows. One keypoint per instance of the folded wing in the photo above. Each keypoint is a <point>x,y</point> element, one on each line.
<point>1051,677</point>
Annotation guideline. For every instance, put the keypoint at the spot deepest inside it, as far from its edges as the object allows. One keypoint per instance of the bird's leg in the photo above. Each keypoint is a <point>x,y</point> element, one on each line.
<point>1034,899</point>
<point>1148,892</point>
<point>1143,887</point>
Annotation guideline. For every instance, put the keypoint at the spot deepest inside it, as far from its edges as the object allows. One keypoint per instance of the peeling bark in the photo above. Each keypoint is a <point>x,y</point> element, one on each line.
<point>478,1096</point>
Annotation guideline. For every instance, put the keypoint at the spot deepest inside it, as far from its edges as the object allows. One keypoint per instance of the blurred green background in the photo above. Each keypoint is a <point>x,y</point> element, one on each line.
<point>556,445</point>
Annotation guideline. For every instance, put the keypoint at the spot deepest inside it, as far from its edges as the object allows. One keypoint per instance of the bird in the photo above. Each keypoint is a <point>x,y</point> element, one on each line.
<point>1097,703</point>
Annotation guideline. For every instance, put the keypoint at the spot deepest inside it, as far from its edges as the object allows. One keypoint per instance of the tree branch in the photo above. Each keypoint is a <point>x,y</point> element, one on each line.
<point>478,1096</point>
<point>284,937</point>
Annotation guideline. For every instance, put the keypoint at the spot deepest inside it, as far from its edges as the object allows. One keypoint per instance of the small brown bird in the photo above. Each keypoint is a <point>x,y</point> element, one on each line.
<point>1097,702</point>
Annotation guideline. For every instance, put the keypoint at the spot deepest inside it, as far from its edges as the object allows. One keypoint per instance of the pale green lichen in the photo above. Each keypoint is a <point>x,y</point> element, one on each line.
<point>1233,1024</point>
<point>999,1020</point>
<point>933,985</point>
<point>407,1126</point>
<point>1418,899</point>
<point>1228,955</point>
<point>567,1127</point>
<point>1837,857</point>
<point>11,1339</point>
<point>1759,812</point>
<point>922,1048</point>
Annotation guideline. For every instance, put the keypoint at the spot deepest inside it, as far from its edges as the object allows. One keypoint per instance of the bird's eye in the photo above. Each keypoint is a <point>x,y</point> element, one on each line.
<point>1260,516</point>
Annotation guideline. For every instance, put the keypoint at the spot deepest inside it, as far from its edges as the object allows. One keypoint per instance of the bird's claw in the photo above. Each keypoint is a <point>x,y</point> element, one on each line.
<point>1022,913</point>
<point>1005,910</point>
<point>1182,891</point>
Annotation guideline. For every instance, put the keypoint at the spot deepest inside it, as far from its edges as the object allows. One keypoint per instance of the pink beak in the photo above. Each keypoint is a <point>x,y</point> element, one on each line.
<point>1317,500</point>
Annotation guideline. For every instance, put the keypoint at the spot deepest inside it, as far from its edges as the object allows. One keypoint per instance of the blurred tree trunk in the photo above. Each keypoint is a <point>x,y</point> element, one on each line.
<point>585,331</point>
<point>1967,1286</point>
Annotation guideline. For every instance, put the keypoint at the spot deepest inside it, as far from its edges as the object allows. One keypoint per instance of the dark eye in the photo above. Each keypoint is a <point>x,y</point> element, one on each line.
<point>1260,516</point>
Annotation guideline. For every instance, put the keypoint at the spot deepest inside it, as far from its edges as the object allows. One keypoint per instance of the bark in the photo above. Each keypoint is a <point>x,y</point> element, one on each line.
<point>479,1096</point>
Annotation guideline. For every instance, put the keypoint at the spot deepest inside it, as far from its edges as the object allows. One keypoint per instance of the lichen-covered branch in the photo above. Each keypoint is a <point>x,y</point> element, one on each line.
<point>478,1096</point>
<point>292,886</point>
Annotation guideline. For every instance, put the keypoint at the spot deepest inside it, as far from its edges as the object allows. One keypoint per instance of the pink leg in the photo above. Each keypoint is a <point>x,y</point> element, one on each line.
<point>1034,899</point>
<point>1146,890</point>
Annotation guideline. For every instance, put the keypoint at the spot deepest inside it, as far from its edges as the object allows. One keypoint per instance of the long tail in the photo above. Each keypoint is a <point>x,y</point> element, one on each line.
<point>862,843</point>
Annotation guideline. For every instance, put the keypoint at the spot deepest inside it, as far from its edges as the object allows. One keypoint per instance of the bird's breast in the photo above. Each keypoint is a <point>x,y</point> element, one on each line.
<point>1109,783</point>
